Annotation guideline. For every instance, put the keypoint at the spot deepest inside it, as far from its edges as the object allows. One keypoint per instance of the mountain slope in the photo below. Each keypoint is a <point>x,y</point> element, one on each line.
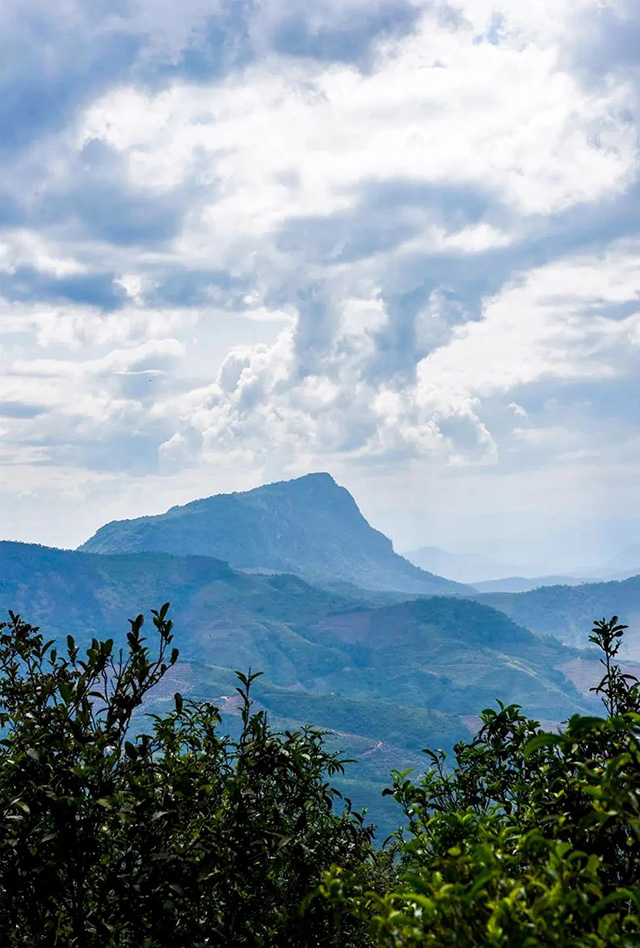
<point>388,679</point>
<point>223,616</point>
<point>309,526</point>
<point>447,653</point>
<point>566,612</point>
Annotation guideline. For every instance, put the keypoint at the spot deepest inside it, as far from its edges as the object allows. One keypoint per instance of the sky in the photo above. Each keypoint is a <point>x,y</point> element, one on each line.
<point>395,240</point>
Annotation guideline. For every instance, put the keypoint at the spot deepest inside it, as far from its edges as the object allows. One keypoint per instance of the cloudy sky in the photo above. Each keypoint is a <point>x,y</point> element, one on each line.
<point>398,240</point>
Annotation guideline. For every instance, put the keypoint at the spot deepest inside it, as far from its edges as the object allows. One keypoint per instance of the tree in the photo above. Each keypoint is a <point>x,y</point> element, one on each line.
<point>113,836</point>
<point>531,838</point>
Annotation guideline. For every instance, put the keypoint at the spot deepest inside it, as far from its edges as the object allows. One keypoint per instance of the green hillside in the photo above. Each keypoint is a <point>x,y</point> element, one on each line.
<point>447,653</point>
<point>387,679</point>
<point>442,652</point>
<point>566,611</point>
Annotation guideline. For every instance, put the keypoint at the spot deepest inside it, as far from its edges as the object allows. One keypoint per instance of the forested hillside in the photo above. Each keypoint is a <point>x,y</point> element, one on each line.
<point>387,679</point>
<point>563,611</point>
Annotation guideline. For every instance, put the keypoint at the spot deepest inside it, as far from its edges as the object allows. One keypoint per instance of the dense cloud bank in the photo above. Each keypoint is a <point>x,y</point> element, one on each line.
<point>241,240</point>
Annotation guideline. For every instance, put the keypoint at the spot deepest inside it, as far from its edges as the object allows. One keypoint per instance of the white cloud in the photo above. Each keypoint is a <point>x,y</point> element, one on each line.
<point>544,325</point>
<point>78,328</point>
<point>285,140</point>
<point>541,326</point>
<point>371,261</point>
<point>25,248</point>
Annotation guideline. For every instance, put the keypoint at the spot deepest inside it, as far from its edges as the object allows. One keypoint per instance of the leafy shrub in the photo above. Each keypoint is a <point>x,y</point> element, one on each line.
<point>531,838</point>
<point>180,836</point>
<point>176,837</point>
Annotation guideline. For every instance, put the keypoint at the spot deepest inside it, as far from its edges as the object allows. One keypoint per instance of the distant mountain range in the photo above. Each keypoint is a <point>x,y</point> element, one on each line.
<point>483,572</point>
<point>309,526</point>
<point>623,564</point>
<point>525,584</point>
<point>462,567</point>
<point>567,612</point>
<point>490,575</point>
<point>388,679</point>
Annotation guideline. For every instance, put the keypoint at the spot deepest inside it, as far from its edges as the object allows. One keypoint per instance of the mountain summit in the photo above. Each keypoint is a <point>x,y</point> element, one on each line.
<point>309,526</point>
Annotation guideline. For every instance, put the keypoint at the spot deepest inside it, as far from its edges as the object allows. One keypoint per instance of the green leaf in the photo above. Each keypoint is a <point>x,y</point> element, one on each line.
<point>65,692</point>
<point>541,740</point>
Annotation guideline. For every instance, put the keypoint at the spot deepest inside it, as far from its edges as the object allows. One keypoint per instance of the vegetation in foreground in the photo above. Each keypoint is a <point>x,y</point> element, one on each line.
<point>531,839</point>
<point>181,836</point>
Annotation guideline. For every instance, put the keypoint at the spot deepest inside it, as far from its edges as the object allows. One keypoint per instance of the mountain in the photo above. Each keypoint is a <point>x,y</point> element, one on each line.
<point>524,584</point>
<point>623,564</point>
<point>566,612</point>
<point>299,635</point>
<point>446,653</point>
<point>309,526</point>
<point>463,567</point>
<point>387,679</point>
<point>486,574</point>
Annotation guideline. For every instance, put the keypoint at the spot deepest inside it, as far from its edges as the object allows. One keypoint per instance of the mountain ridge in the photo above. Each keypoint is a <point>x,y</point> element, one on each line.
<point>299,635</point>
<point>309,526</point>
<point>567,611</point>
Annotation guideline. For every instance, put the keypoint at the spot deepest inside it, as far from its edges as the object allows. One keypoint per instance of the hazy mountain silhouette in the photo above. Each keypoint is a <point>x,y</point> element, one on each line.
<point>623,564</point>
<point>518,584</point>
<point>309,526</point>
<point>462,567</point>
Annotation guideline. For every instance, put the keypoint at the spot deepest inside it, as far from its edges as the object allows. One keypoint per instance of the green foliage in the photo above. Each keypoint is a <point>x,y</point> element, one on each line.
<point>177,837</point>
<point>531,838</point>
<point>619,691</point>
